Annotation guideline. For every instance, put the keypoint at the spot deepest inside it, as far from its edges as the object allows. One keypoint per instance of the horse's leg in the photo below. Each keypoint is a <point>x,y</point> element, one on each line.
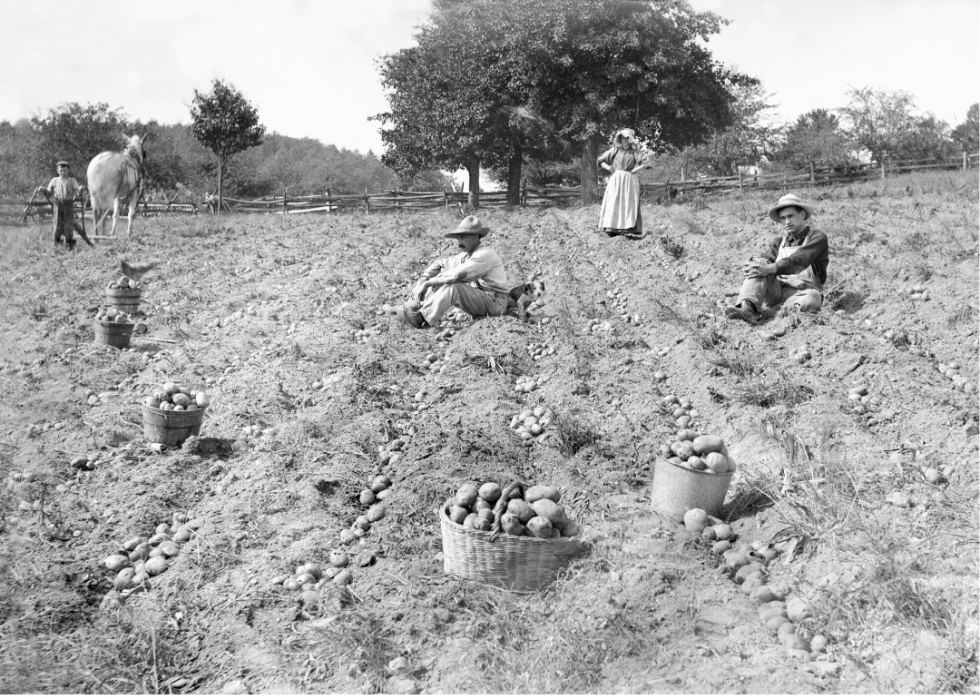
<point>115,217</point>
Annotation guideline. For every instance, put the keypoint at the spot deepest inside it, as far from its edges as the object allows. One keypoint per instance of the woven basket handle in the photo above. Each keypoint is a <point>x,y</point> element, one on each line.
<point>501,505</point>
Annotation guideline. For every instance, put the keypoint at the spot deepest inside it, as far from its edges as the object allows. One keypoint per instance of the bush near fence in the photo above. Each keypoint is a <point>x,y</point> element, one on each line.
<point>19,211</point>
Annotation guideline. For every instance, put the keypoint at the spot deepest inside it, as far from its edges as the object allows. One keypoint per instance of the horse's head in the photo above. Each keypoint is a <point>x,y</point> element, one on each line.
<point>135,147</point>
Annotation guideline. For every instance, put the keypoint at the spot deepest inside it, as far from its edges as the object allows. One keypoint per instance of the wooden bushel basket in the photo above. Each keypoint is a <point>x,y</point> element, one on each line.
<point>516,563</point>
<point>127,300</point>
<point>171,427</point>
<point>113,334</point>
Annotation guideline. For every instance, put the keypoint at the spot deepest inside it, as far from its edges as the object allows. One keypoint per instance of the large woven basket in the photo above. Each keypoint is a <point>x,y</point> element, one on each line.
<point>517,563</point>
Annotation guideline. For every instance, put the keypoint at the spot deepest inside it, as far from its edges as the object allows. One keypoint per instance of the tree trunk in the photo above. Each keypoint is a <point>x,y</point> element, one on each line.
<point>514,176</point>
<point>473,168</point>
<point>589,170</point>
<point>221,177</point>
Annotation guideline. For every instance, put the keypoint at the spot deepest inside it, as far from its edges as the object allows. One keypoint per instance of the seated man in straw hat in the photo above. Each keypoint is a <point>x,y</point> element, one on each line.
<point>793,269</point>
<point>473,281</point>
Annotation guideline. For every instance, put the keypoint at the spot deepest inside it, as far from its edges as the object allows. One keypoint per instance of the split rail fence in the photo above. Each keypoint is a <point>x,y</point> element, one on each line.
<point>14,211</point>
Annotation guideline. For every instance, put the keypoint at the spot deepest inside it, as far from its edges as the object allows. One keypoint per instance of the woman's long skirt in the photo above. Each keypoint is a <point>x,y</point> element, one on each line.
<point>621,204</point>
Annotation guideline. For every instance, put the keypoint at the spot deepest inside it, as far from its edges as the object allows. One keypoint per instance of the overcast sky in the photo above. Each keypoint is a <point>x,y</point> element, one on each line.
<point>309,66</point>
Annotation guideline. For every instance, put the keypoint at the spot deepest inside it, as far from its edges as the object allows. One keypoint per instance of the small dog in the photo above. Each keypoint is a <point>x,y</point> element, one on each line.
<point>134,270</point>
<point>522,296</point>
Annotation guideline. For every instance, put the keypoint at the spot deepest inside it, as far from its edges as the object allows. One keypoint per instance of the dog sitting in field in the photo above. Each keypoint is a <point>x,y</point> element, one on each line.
<point>522,296</point>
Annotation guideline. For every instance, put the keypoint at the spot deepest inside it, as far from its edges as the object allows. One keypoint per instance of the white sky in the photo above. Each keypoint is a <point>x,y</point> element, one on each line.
<point>309,65</point>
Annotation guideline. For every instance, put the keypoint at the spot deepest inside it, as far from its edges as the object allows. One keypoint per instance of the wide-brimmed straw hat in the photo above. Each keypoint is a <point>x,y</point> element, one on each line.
<point>627,134</point>
<point>470,224</point>
<point>789,200</point>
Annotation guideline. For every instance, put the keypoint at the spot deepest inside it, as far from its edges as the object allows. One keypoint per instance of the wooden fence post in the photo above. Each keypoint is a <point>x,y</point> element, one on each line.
<point>964,160</point>
<point>284,191</point>
<point>367,201</point>
<point>524,188</point>
<point>739,178</point>
<point>813,176</point>
<point>445,195</point>
<point>882,168</point>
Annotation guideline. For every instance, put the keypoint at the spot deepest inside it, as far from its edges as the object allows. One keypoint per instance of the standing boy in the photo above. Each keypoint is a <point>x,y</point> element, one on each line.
<point>63,190</point>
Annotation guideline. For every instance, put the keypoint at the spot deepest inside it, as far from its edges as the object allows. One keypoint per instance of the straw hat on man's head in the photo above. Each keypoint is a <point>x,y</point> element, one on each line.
<point>470,224</point>
<point>789,200</point>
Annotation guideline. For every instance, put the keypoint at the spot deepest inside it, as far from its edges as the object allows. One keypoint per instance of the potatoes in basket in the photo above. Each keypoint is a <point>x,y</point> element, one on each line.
<point>513,511</point>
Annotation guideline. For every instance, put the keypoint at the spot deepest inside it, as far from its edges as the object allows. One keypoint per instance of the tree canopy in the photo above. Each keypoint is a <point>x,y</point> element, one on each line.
<point>225,121</point>
<point>887,125</point>
<point>493,81</point>
<point>815,139</point>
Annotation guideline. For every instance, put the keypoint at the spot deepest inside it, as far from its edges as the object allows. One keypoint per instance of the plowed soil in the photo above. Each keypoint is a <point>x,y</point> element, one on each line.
<point>280,321</point>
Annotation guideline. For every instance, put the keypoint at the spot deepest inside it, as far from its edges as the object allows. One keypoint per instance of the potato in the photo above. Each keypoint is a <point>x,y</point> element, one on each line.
<point>133,543</point>
<point>466,495</point>
<point>469,522</point>
<point>170,388</point>
<point>183,534</point>
<point>124,579</point>
<point>376,513</point>
<point>367,497</point>
<point>457,514</point>
<point>140,553</point>
<point>511,524</point>
<point>767,613</point>
<point>540,527</point>
<point>818,643</point>
<point>338,558</point>
<point>116,562</point>
<point>716,462</point>
<point>684,450</point>
<point>180,399</point>
<point>721,546</point>
<point>708,444</point>
<point>696,463</point>
<point>311,569</point>
<point>344,577</point>
<point>305,579</point>
<point>362,522</point>
<point>151,402</point>
<point>552,510</point>
<point>763,594</point>
<point>480,505</point>
<point>156,565</point>
<point>521,509</point>
<point>490,492</point>
<point>571,529</point>
<point>291,584</point>
<point>201,400</point>
<point>723,532</point>
<point>746,570</point>
<point>484,520</point>
<point>695,520</point>
<point>687,435</point>
<point>541,492</point>
<point>168,548</point>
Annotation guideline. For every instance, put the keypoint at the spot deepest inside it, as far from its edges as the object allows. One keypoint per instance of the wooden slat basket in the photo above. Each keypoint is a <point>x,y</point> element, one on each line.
<point>516,563</point>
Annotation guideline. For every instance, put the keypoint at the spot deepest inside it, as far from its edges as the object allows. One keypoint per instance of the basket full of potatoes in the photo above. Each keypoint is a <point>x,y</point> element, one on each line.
<point>515,538</point>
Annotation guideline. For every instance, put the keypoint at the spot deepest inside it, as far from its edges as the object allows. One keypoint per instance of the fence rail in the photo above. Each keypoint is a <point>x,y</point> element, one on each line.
<point>19,211</point>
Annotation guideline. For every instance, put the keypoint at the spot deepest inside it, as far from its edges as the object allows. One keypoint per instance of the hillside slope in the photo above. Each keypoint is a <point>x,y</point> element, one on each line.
<point>281,321</point>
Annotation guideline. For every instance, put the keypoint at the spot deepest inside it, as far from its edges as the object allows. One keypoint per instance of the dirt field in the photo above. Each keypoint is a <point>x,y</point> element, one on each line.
<point>281,321</point>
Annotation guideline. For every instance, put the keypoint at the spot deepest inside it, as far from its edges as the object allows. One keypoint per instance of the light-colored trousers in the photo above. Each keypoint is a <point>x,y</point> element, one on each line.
<point>771,290</point>
<point>463,296</point>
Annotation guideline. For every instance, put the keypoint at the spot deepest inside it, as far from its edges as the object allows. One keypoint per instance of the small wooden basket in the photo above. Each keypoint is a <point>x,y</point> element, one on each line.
<point>516,563</point>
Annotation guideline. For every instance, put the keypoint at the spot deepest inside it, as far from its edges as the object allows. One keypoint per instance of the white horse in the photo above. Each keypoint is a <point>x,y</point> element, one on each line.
<point>114,178</point>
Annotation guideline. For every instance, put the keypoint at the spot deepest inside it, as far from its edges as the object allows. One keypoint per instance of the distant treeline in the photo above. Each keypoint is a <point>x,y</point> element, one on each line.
<point>30,148</point>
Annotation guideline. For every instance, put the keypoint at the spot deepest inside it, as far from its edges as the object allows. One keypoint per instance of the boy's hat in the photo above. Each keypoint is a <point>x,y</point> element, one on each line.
<point>789,200</point>
<point>62,162</point>
<point>470,224</point>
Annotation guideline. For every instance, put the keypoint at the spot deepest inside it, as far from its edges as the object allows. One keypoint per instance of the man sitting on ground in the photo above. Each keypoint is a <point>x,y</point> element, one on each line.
<point>473,281</point>
<point>791,272</point>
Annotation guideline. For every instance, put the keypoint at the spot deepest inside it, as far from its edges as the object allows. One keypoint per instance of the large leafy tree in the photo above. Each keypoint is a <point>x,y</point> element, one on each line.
<point>76,133</point>
<point>495,81</point>
<point>227,123</point>
<point>815,139</point>
<point>749,136</point>
<point>887,125</point>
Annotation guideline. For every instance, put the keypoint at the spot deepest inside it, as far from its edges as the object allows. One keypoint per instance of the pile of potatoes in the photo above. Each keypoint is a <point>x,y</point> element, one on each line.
<point>748,568</point>
<point>526,384</point>
<point>699,452</point>
<point>951,372</point>
<point>539,350</point>
<point>371,497</point>
<point>142,558</point>
<point>124,282</point>
<point>172,396</point>
<point>802,354</point>
<point>311,576</point>
<point>113,315</point>
<point>681,409</point>
<point>488,507</point>
<point>532,422</point>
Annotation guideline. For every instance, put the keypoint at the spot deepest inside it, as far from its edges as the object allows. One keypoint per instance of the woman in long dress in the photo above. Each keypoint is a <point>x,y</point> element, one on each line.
<point>620,213</point>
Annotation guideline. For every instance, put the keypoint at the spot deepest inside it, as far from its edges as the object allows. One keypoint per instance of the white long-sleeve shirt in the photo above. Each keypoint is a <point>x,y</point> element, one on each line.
<point>483,269</point>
